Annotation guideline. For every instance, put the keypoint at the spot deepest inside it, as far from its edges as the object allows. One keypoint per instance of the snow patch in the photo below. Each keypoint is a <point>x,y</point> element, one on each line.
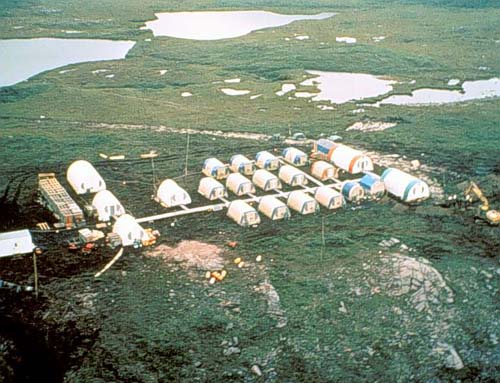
<point>285,88</point>
<point>347,40</point>
<point>234,92</point>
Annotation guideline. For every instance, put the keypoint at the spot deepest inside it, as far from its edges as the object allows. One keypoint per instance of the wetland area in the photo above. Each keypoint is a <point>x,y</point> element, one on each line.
<point>377,292</point>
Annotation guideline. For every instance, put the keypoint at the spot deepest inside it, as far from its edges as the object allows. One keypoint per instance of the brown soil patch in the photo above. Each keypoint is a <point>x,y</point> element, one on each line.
<point>192,254</point>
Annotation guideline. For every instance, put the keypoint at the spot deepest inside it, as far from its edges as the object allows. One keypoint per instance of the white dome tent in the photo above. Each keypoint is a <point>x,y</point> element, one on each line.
<point>129,230</point>
<point>323,170</point>
<point>329,198</point>
<point>353,191</point>
<point>212,167</point>
<point>211,189</point>
<point>266,160</point>
<point>83,178</point>
<point>239,184</point>
<point>107,205</point>
<point>273,208</point>
<point>243,214</point>
<point>240,163</point>
<point>170,194</point>
<point>266,180</point>
<point>295,156</point>
<point>405,186</point>
<point>350,160</point>
<point>302,202</point>
<point>292,176</point>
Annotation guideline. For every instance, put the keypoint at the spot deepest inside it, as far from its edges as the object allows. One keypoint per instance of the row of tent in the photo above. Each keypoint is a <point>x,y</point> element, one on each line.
<point>212,167</point>
<point>298,200</point>
<point>394,181</point>
<point>275,209</point>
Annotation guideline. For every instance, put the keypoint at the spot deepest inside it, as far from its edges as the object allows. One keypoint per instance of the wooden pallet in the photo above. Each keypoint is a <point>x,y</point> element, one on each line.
<point>58,201</point>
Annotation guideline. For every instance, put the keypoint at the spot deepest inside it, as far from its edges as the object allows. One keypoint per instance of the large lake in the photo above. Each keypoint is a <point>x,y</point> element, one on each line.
<point>220,25</point>
<point>21,59</point>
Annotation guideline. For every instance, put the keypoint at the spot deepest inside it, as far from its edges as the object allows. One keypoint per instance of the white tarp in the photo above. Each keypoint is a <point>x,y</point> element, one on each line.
<point>16,242</point>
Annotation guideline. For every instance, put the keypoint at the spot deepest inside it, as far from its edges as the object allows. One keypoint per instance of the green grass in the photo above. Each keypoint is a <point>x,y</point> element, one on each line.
<point>145,334</point>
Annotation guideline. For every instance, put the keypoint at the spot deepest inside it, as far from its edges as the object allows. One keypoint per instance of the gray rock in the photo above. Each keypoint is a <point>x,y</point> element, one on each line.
<point>256,370</point>
<point>231,350</point>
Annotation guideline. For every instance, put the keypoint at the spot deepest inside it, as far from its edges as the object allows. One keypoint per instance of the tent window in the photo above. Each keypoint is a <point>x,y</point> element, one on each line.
<point>130,236</point>
<point>100,183</point>
<point>83,185</point>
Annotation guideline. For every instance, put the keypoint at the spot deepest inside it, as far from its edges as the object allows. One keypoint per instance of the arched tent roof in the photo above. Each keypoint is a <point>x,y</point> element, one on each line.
<point>266,160</point>
<point>211,188</point>
<point>242,213</point>
<point>323,170</point>
<point>373,184</point>
<point>350,160</point>
<point>295,156</point>
<point>273,208</point>
<point>170,194</point>
<point>239,184</point>
<point>292,176</point>
<point>352,191</point>
<point>212,167</point>
<point>328,197</point>
<point>83,178</point>
<point>107,205</point>
<point>302,202</point>
<point>266,180</point>
<point>405,186</point>
<point>240,163</point>
<point>129,230</point>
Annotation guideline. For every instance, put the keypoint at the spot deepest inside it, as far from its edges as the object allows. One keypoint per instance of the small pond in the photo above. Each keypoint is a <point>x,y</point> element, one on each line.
<point>341,87</point>
<point>472,90</point>
<point>216,25</point>
<point>24,58</point>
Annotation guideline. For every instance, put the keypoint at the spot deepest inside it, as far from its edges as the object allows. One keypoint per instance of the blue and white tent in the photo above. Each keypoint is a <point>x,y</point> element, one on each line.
<point>295,156</point>
<point>212,167</point>
<point>266,160</point>
<point>373,185</point>
<point>241,164</point>
<point>405,186</point>
<point>273,208</point>
<point>352,191</point>
<point>266,180</point>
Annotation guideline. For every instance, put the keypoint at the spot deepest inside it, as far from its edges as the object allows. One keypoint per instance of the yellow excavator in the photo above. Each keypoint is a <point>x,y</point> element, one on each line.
<point>485,213</point>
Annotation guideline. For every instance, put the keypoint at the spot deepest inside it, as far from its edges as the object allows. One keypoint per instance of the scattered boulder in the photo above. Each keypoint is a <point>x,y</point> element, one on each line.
<point>256,370</point>
<point>371,126</point>
<point>452,359</point>
<point>231,351</point>
<point>402,275</point>
<point>273,303</point>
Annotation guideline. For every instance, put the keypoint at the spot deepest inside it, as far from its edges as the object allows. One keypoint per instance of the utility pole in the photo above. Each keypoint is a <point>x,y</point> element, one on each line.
<point>154,175</point>
<point>35,270</point>
<point>187,157</point>
<point>322,237</point>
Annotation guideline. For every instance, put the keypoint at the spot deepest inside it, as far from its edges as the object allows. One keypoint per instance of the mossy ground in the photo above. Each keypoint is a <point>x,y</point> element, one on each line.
<point>142,333</point>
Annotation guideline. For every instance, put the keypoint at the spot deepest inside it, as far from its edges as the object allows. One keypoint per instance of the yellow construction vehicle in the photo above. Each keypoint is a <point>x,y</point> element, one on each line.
<point>485,213</point>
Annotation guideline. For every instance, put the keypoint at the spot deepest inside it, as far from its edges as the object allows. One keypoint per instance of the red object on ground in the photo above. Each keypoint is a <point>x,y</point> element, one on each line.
<point>232,244</point>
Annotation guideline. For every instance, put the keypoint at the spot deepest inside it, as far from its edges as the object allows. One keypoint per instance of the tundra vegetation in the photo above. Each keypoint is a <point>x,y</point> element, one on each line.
<point>349,305</point>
